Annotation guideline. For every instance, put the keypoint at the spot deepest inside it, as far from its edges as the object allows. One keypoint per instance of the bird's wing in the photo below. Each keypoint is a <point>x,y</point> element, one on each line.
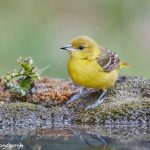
<point>108,60</point>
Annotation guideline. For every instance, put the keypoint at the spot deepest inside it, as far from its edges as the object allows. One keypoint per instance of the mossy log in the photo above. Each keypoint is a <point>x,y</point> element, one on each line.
<point>128,102</point>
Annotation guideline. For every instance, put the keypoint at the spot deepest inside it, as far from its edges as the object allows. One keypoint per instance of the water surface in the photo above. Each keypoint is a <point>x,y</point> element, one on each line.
<point>78,137</point>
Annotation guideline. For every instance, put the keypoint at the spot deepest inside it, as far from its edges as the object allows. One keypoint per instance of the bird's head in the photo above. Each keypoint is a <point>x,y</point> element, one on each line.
<point>83,47</point>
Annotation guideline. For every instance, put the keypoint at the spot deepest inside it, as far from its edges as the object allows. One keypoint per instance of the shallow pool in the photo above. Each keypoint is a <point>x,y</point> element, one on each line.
<point>76,137</point>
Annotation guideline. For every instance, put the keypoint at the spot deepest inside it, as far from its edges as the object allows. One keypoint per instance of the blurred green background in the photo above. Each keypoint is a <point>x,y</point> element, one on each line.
<point>38,28</point>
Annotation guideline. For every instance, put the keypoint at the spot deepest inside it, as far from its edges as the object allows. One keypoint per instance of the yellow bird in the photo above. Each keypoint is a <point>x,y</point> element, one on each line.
<point>92,66</point>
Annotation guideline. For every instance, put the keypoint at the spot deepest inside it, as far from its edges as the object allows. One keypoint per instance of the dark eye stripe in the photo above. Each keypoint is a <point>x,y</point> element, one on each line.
<point>81,47</point>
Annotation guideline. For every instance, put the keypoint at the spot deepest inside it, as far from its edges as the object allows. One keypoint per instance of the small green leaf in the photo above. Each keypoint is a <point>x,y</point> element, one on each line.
<point>22,81</point>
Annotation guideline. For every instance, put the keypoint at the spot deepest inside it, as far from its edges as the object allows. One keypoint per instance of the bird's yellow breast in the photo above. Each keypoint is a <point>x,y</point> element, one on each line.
<point>89,74</point>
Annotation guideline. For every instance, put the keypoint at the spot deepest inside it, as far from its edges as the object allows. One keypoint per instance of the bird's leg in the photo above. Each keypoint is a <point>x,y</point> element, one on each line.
<point>98,101</point>
<point>76,96</point>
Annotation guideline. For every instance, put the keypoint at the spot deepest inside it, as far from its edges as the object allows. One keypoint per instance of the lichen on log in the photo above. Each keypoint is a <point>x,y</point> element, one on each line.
<point>128,102</point>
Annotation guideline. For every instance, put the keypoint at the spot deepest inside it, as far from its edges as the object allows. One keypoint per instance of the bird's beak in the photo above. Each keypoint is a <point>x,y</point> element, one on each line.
<point>68,48</point>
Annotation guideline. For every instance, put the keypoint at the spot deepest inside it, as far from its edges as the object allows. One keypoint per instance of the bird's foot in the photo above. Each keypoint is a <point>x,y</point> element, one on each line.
<point>76,96</point>
<point>95,104</point>
<point>98,102</point>
<point>81,92</point>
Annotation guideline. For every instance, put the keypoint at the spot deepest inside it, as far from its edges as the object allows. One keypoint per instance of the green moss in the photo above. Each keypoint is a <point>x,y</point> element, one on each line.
<point>116,111</point>
<point>19,106</point>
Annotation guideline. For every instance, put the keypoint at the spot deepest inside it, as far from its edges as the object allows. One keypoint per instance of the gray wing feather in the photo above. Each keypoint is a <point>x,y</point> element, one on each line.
<point>108,60</point>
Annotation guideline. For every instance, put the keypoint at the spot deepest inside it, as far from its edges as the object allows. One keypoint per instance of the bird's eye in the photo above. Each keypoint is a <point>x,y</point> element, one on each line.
<point>81,47</point>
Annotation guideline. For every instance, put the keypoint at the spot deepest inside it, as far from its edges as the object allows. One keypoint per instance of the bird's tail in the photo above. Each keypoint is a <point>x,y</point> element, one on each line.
<point>123,64</point>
